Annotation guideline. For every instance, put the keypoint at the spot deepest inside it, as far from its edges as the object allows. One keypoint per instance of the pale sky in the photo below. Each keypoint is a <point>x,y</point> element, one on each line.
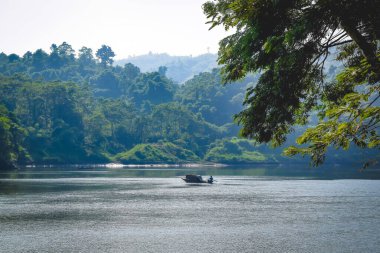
<point>129,27</point>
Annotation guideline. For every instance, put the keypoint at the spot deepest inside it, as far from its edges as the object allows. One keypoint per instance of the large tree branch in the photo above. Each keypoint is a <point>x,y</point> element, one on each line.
<point>368,50</point>
<point>340,43</point>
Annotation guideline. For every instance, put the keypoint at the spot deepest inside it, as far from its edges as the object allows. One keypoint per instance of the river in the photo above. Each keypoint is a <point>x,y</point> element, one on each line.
<point>248,209</point>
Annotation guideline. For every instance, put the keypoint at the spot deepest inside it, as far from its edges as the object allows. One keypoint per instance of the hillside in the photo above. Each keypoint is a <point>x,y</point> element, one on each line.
<point>57,108</point>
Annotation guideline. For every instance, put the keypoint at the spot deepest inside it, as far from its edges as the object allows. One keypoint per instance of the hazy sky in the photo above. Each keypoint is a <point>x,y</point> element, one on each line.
<point>130,27</point>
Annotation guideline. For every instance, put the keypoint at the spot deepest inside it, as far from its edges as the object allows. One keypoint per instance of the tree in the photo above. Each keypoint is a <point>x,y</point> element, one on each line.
<point>107,84</point>
<point>39,59</point>
<point>3,58</point>
<point>205,94</point>
<point>55,60</point>
<point>131,71</point>
<point>174,122</point>
<point>13,58</point>
<point>152,87</point>
<point>289,42</point>
<point>66,52</point>
<point>85,56</point>
<point>11,137</point>
<point>162,70</point>
<point>27,57</point>
<point>105,54</point>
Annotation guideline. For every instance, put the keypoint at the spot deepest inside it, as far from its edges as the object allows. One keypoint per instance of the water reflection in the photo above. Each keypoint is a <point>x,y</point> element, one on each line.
<point>274,170</point>
<point>69,178</point>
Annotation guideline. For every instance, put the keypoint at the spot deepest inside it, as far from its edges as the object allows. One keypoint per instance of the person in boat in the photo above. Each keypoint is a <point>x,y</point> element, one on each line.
<point>211,179</point>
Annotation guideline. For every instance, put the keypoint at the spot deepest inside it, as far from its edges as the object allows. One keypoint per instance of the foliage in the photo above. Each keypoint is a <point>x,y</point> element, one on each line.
<point>165,152</point>
<point>58,108</point>
<point>236,151</point>
<point>349,116</point>
<point>105,55</point>
<point>173,122</point>
<point>11,137</point>
<point>204,94</point>
<point>289,42</point>
<point>66,124</point>
<point>51,114</point>
<point>153,88</point>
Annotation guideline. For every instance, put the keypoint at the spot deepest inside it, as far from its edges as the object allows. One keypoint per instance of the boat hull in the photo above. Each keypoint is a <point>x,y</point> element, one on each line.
<point>195,179</point>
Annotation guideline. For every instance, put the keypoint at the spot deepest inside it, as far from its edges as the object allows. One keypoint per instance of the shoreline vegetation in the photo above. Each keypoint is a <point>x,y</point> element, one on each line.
<point>167,165</point>
<point>61,108</point>
<point>120,165</point>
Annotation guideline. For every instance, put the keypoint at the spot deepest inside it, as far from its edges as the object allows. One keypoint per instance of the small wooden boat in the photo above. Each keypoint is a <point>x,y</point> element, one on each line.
<point>196,179</point>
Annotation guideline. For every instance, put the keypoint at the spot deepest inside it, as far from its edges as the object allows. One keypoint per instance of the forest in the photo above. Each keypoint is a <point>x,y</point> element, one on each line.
<point>67,107</point>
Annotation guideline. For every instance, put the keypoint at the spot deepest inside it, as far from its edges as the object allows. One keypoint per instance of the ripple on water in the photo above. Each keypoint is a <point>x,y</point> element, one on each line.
<point>242,213</point>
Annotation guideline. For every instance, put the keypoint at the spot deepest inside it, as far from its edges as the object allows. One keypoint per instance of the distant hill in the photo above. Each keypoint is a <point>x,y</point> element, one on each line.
<point>180,68</point>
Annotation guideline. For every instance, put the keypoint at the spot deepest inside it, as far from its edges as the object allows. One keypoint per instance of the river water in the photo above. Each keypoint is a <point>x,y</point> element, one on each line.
<point>248,209</point>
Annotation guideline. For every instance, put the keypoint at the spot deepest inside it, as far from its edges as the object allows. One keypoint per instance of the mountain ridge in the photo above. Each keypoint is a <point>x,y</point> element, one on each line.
<point>179,68</point>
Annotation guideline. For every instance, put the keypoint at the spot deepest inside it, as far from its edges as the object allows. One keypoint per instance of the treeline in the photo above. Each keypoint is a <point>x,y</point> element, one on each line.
<point>63,107</point>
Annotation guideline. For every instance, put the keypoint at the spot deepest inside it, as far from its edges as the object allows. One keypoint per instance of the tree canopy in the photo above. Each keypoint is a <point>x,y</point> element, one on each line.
<point>57,108</point>
<point>288,42</point>
<point>105,54</point>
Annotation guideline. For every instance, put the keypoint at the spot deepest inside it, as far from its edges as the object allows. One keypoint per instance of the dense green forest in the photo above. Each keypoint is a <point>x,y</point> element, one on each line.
<point>63,108</point>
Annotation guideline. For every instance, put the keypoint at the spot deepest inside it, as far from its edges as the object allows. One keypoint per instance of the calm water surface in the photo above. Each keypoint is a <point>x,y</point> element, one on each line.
<point>268,209</point>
